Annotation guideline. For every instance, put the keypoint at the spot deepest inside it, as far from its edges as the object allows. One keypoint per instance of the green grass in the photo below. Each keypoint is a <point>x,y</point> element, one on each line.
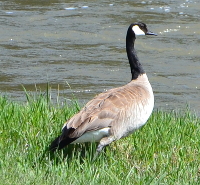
<point>164,151</point>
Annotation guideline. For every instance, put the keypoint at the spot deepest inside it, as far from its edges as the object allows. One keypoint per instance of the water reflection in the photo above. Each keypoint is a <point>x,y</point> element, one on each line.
<point>83,44</point>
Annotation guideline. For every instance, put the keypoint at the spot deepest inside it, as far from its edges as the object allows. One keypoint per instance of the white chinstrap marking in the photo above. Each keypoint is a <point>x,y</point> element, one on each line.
<point>93,136</point>
<point>137,30</point>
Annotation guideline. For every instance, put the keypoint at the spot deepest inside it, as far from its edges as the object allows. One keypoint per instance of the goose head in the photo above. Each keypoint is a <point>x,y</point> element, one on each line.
<point>140,28</point>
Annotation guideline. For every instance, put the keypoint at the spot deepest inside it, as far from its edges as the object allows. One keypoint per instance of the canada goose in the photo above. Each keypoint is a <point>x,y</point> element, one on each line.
<point>116,113</point>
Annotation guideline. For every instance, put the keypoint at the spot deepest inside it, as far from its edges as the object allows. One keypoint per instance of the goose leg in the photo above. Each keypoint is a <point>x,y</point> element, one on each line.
<point>103,142</point>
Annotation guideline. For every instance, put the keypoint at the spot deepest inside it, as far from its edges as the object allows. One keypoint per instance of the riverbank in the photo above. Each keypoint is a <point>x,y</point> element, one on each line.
<point>164,151</point>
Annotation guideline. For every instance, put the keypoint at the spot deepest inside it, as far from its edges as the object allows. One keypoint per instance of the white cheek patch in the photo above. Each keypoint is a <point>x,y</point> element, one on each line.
<point>137,30</point>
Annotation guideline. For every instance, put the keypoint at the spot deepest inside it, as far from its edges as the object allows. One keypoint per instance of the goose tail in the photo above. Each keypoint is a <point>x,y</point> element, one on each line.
<point>61,141</point>
<point>55,144</point>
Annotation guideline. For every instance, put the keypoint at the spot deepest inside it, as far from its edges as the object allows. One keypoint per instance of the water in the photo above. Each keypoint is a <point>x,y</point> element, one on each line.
<point>79,47</point>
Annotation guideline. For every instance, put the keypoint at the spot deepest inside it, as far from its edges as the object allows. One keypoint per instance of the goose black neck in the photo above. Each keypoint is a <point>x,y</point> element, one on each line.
<point>136,67</point>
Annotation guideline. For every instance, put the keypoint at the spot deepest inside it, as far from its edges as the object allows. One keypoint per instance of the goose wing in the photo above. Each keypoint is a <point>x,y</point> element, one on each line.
<point>104,111</point>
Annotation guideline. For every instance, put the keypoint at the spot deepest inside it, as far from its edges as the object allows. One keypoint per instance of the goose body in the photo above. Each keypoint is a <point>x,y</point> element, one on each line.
<point>116,113</point>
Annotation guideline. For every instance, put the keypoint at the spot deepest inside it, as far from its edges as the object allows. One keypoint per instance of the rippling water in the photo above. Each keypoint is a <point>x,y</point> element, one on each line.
<point>83,44</point>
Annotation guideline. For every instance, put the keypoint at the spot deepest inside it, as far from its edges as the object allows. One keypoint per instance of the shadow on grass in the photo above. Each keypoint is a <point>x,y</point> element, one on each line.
<point>79,152</point>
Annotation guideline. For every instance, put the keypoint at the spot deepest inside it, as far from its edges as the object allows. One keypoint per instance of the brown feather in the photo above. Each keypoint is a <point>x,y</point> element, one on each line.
<point>111,108</point>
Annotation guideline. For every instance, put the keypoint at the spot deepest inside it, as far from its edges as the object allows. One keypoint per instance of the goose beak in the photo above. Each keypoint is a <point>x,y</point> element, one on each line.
<point>151,33</point>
